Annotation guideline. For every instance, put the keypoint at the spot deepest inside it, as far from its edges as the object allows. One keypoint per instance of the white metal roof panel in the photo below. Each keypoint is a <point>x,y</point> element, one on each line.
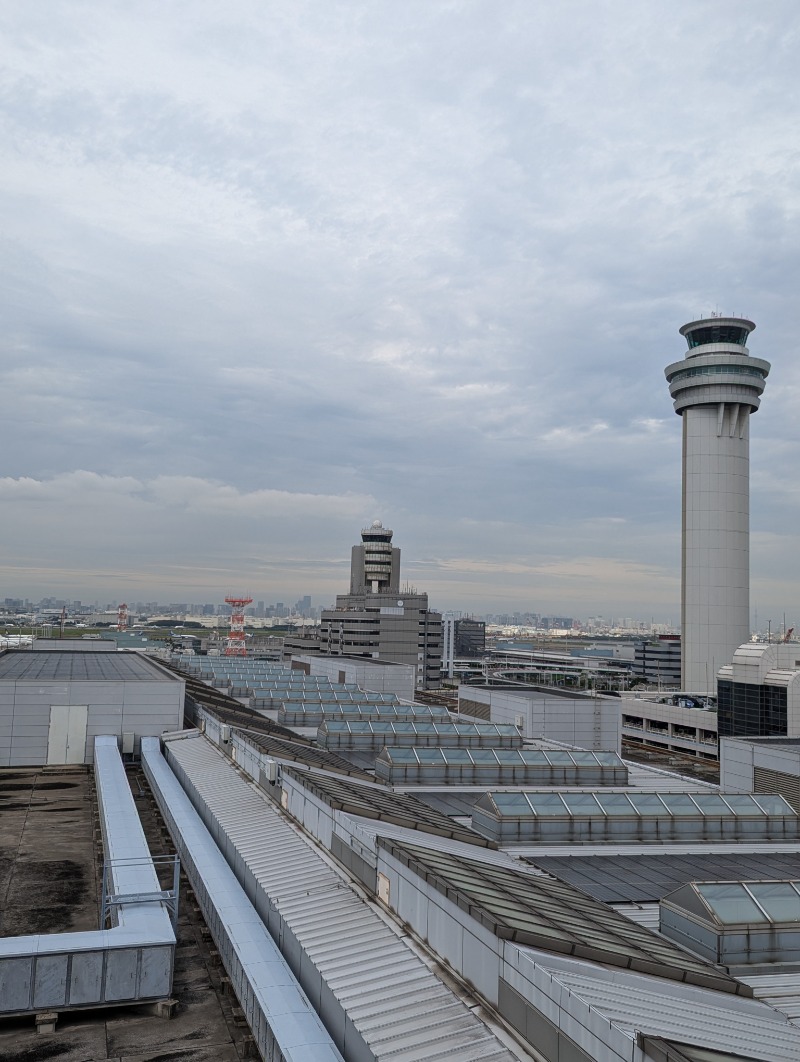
<point>701,1017</point>
<point>383,985</point>
<point>248,949</point>
<point>781,991</point>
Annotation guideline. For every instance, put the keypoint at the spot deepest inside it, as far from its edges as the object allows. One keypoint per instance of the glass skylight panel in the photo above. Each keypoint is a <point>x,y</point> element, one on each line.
<point>731,902</point>
<point>513,803</point>
<point>741,805</point>
<point>512,757</point>
<point>608,759</point>
<point>483,756</point>
<point>583,759</point>
<point>772,804</point>
<point>632,816</point>
<point>648,804</point>
<point>559,759</point>
<point>616,804</point>
<point>780,899</point>
<point>457,757</point>
<point>712,805</point>
<point>581,804</point>
<point>679,804</point>
<point>538,803</point>
<point>431,755</point>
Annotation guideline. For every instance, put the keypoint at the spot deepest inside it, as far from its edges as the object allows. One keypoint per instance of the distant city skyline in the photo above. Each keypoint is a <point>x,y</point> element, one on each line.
<point>311,606</point>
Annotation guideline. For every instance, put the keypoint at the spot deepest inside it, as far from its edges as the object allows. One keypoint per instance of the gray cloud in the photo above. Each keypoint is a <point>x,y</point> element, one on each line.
<point>269,274</point>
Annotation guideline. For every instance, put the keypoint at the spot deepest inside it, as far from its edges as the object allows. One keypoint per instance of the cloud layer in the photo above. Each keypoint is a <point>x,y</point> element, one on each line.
<point>271,273</point>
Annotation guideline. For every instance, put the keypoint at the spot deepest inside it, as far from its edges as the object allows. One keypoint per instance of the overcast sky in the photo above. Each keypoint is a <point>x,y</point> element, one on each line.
<point>274,270</point>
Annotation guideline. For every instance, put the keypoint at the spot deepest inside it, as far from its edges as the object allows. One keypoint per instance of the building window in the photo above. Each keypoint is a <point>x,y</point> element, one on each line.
<point>745,710</point>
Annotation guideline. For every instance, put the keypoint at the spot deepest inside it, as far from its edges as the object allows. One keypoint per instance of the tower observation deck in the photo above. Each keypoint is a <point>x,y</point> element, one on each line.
<point>715,388</point>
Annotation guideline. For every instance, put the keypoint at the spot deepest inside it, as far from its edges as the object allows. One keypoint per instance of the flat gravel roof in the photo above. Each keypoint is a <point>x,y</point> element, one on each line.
<point>28,665</point>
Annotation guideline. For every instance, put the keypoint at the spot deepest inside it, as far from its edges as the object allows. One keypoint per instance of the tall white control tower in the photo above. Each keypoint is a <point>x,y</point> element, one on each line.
<point>715,389</point>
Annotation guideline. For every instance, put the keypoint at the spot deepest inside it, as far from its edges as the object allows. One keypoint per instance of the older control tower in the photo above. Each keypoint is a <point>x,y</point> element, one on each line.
<point>375,564</point>
<point>715,389</point>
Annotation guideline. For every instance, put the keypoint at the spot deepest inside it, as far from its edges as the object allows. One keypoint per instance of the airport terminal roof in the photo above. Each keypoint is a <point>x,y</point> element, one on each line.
<point>697,1025</point>
<point>30,665</point>
<point>573,818</point>
<point>440,765</point>
<point>308,755</point>
<point>645,878</point>
<point>376,802</point>
<point>542,913</point>
<point>376,734</point>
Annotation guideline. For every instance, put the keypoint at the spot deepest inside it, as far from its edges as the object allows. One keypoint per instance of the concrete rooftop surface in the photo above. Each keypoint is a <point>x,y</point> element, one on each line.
<point>50,881</point>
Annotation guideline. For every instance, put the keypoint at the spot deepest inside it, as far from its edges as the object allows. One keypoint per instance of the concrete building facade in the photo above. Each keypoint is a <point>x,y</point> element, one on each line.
<point>678,723</point>
<point>715,388</point>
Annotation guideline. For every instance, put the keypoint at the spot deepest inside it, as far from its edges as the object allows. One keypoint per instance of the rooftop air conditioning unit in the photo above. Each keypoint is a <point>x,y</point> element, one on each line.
<point>225,733</point>
<point>519,721</point>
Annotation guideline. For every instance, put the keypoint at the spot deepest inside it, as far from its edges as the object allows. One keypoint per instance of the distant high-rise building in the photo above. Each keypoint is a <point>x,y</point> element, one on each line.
<point>715,389</point>
<point>377,619</point>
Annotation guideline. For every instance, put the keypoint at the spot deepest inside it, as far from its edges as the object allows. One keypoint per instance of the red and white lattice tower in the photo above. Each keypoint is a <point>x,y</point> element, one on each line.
<point>122,617</point>
<point>236,641</point>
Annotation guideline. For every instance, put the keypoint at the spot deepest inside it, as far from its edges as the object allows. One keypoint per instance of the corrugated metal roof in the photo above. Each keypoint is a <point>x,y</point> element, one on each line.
<point>402,1011</point>
<point>638,1003</point>
<point>780,990</point>
<point>266,987</point>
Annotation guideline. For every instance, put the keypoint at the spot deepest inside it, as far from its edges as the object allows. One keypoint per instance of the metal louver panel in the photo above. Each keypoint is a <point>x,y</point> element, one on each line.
<point>787,785</point>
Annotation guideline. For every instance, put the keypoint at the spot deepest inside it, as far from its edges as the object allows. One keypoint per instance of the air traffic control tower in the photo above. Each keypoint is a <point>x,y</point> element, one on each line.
<point>715,389</point>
